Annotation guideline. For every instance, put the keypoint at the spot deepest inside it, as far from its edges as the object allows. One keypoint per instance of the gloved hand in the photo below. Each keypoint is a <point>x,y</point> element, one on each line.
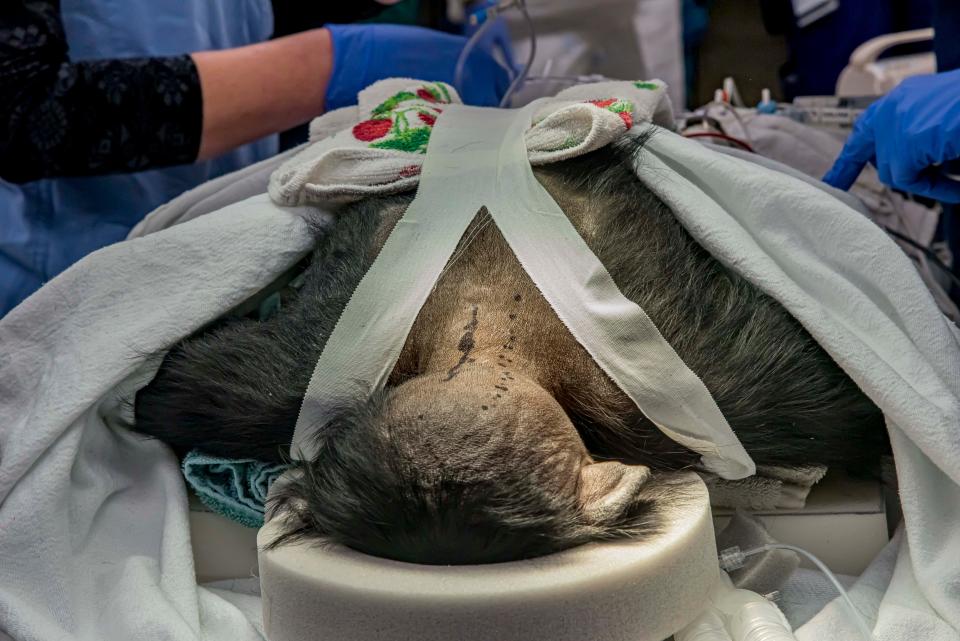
<point>906,133</point>
<point>365,53</point>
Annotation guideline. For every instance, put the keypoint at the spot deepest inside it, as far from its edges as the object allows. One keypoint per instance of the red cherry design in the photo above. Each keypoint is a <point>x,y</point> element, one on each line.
<point>427,118</point>
<point>603,103</point>
<point>627,118</point>
<point>426,95</point>
<point>372,129</point>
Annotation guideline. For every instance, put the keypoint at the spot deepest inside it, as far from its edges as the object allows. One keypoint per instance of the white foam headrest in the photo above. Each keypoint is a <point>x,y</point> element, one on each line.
<point>641,590</point>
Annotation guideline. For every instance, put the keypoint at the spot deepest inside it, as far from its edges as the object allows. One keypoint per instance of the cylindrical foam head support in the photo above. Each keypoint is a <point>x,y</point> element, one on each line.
<point>637,590</point>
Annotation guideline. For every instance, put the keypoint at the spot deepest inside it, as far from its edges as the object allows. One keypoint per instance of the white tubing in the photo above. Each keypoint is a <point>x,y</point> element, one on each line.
<point>737,615</point>
<point>854,612</point>
<point>709,627</point>
<point>734,558</point>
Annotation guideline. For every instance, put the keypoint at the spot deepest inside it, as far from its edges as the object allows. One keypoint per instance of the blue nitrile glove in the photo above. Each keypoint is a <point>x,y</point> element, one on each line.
<point>905,134</point>
<point>365,53</point>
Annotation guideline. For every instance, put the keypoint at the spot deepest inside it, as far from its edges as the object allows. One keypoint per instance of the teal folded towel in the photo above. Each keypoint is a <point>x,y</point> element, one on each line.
<point>235,488</point>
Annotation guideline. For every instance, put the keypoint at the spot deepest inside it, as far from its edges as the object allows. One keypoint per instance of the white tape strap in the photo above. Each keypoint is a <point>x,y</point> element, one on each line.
<point>477,157</point>
<point>367,340</point>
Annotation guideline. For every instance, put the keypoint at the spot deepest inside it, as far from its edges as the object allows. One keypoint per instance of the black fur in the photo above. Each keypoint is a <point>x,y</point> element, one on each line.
<point>361,490</point>
<point>236,390</point>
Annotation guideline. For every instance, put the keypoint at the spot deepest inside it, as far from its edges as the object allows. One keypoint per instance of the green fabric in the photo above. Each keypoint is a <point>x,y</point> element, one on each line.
<point>234,488</point>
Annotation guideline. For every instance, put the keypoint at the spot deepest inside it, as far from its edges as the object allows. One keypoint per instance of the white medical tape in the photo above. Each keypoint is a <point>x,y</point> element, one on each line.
<point>477,157</point>
<point>369,336</point>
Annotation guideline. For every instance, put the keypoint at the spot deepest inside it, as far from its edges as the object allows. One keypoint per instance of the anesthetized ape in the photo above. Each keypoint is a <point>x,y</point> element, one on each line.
<point>498,437</point>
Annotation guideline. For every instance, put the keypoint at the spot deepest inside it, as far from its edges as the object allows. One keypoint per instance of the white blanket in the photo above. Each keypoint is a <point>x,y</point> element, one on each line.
<point>861,298</point>
<point>94,538</point>
<point>94,532</point>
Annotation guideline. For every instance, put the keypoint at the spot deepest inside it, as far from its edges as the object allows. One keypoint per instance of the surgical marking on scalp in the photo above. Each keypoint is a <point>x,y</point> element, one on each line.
<point>465,345</point>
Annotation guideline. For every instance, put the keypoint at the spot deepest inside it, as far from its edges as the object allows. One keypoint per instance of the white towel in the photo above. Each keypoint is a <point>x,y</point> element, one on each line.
<point>813,151</point>
<point>383,152</point>
<point>861,298</point>
<point>94,532</point>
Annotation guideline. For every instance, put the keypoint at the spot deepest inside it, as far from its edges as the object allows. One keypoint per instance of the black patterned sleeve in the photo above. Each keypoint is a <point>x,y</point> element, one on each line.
<point>59,118</point>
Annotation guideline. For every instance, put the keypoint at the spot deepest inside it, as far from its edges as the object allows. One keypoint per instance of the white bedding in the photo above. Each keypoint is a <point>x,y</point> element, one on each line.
<point>94,534</point>
<point>863,301</point>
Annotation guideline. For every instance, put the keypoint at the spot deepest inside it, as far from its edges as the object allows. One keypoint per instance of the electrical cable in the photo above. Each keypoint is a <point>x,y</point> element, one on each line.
<point>719,103</point>
<point>465,53</point>
<point>716,134</point>
<point>522,5</point>
<point>930,254</point>
<point>734,559</point>
<point>523,76</point>
<point>490,15</point>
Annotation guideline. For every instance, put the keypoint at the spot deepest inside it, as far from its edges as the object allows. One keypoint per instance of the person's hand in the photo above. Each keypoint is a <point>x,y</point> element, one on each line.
<point>907,134</point>
<point>363,54</point>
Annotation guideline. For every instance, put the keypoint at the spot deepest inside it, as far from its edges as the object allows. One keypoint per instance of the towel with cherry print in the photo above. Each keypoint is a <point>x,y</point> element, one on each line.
<point>377,147</point>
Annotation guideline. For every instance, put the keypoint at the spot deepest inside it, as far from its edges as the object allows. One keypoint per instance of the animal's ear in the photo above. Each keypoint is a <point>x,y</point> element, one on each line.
<point>610,488</point>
